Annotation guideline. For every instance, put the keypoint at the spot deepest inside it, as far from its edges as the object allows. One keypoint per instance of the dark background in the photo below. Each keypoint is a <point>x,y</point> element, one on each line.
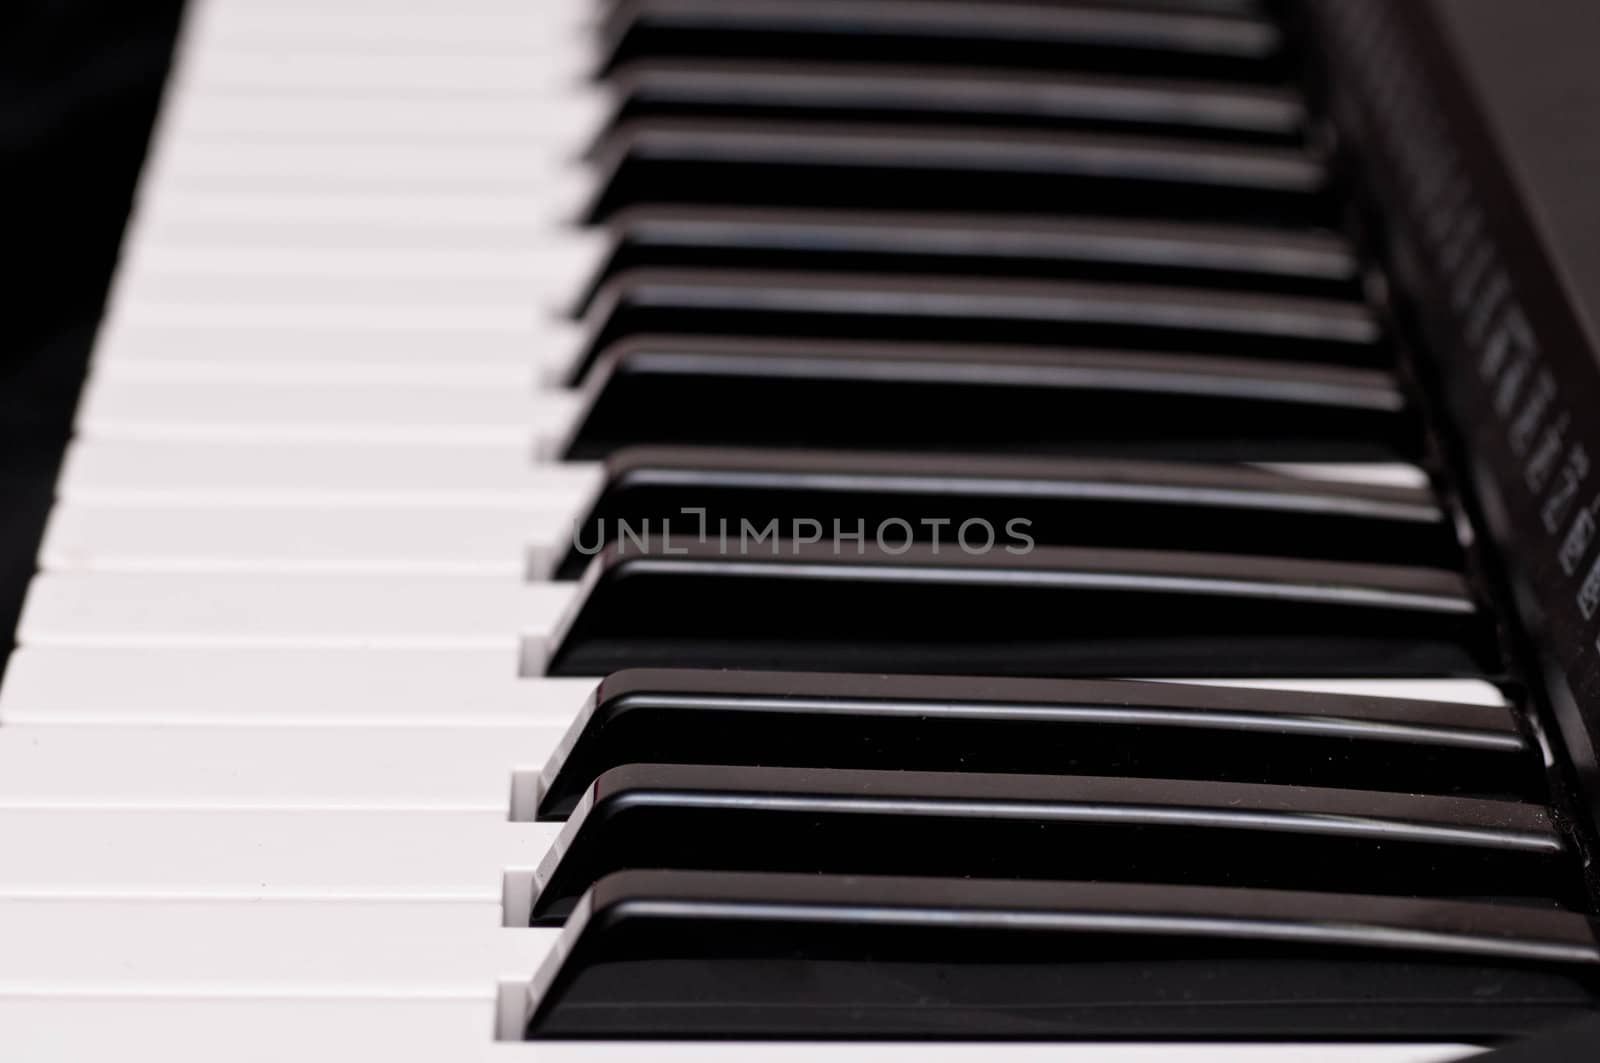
<point>79,84</point>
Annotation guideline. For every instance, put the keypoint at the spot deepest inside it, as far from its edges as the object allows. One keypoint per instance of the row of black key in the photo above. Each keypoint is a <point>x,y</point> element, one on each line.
<point>714,880</point>
<point>1058,252</point>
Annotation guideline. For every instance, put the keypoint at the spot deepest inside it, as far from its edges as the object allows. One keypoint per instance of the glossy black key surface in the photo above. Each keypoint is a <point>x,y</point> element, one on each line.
<point>699,492</point>
<point>750,391</point>
<point>978,310</point>
<point>720,818</point>
<point>822,606</point>
<point>729,162</point>
<point>661,955</point>
<point>1014,35</point>
<point>920,723</point>
<point>1044,248</point>
<point>978,96</point>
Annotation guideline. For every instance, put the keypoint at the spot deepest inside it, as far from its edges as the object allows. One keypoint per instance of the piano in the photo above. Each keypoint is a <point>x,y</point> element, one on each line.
<point>658,530</point>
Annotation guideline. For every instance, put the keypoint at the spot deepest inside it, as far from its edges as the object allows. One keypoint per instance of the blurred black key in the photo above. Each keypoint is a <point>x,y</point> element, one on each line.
<point>1042,727</point>
<point>977,96</point>
<point>1044,248</point>
<point>767,603</point>
<point>1240,8</point>
<point>662,955</point>
<point>729,162</point>
<point>808,821</point>
<point>744,391</point>
<point>978,310</point>
<point>698,493</point>
<point>1243,8</point>
<point>1018,35</point>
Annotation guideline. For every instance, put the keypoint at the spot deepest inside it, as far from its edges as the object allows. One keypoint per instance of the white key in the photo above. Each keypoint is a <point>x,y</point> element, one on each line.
<point>309,11</point>
<point>533,208</point>
<point>560,198</point>
<point>143,473</point>
<point>403,246</point>
<point>443,768</point>
<point>204,1028</point>
<point>332,297</point>
<point>569,118</point>
<point>554,261</point>
<point>297,688</point>
<point>332,73</point>
<point>497,543</point>
<point>288,948</point>
<point>417,854</point>
<point>287,293</point>
<point>531,33</point>
<point>381,349</point>
<point>559,30</point>
<point>463,165</point>
<point>537,145</point>
<point>559,201</point>
<point>289,611</point>
<point>507,375</point>
<point>545,341</point>
<point>171,406</point>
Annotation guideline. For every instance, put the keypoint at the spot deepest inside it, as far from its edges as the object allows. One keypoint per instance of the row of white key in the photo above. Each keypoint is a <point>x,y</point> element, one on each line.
<point>208,861</point>
<point>168,405</point>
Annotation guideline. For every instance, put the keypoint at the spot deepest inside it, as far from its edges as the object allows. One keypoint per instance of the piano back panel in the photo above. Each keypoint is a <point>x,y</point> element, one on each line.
<point>1464,126</point>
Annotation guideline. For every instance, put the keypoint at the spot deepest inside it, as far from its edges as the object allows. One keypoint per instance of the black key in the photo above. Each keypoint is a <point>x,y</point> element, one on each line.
<point>1043,36</point>
<point>1241,8</point>
<point>1056,827</point>
<point>1044,248</point>
<point>1041,727</point>
<point>741,391</point>
<point>662,955</point>
<point>783,605</point>
<point>958,168</point>
<point>1249,8</point>
<point>1003,98</point>
<point>703,493</point>
<point>978,310</point>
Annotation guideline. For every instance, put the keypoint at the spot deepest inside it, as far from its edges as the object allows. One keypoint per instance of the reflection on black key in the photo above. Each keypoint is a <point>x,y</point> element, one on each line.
<point>978,310</point>
<point>743,391</point>
<point>720,818</point>
<point>1048,36</point>
<point>987,97</point>
<point>660,955</point>
<point>1045,248</point>
<point>697,492</point>
<point>894,607</point>
<point>730,162</point>
<point>920,723</point>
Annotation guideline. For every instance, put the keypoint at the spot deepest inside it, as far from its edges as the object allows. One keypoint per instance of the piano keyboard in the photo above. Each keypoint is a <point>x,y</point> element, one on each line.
<point>624,530</point>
